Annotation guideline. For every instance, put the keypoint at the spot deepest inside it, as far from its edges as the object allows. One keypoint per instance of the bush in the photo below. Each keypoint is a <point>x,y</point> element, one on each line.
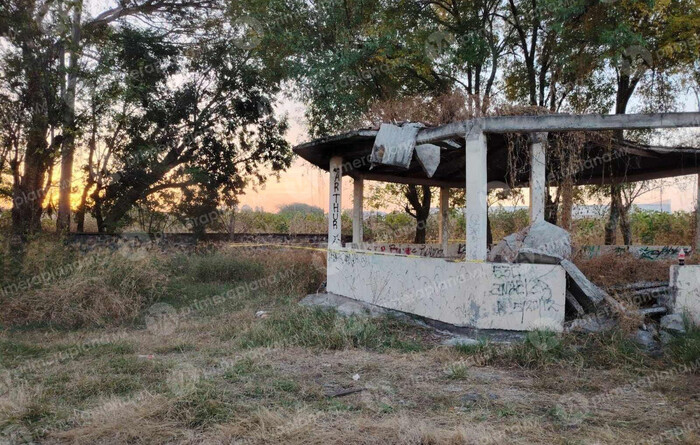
<point>657,228</point>
<point>504,222</point>
<point>101,288</point>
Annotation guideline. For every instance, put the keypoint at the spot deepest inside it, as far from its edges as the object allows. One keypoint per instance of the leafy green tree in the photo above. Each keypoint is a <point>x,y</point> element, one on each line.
<point>199,122</point>
<point>37,39</point>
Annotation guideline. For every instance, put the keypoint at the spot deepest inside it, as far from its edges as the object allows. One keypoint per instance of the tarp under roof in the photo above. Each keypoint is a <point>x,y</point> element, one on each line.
<point>639,161</point>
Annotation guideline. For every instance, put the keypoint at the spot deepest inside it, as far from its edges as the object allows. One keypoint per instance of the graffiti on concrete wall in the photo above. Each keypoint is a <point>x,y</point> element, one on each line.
<point>643,252</point>
<point>424,250</point>
<point>482,295</point>
<point>516,293</point>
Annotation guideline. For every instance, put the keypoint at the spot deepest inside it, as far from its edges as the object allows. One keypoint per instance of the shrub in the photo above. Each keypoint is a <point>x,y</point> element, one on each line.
<point>100,288</point>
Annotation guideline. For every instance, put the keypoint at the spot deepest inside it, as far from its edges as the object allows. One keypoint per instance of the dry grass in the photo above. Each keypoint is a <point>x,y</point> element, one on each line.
<point>102,288</point>
<point>613,269</point>
<point>223,375</point>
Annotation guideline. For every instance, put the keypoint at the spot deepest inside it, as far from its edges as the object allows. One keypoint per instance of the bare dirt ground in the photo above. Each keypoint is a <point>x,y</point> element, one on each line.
<point>221,374</point>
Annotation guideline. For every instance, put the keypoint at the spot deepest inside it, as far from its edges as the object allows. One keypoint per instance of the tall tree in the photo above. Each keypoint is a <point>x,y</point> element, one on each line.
<point>200,122</point>
<point>642,41</point>
<point>38,35</point>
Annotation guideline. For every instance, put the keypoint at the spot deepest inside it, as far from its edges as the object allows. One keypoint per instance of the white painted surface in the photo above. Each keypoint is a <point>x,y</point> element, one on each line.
<point>561,122</point>
<point>697,216</point>
<point>517,297</point>
<point>455,251</point>
<point>357,205</point>
<point>335,192</point>
<point>444,218</point>
<point>685,282</point>
<point>476,195</point>
<point>538,182</point>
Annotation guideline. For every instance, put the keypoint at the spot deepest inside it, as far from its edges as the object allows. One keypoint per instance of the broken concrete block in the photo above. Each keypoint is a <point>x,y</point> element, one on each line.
<point>460,341</point>
<point>573,306</point>
<point>528,255</point>
<point>429,158</point>
<point>665,337</point>
<point>394,145</point>
<point>541,238</point>
<point>586,293</point>
<point>673,323</point>
<point>654,310</point>
<point>590,324</point>
<point>645,339</point>
<point>685,285</point>
<point>343,305</point>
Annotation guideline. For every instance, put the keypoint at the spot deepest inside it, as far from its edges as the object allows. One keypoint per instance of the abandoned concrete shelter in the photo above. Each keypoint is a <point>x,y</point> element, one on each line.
<point>524,287</point>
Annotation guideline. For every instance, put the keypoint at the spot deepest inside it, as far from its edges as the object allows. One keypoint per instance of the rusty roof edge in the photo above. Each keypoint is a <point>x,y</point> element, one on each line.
<point>336,138</point>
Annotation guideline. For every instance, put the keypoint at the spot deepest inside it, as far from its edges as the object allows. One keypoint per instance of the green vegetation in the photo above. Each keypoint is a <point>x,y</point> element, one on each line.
<point>316,328</point>
<point>221,371</point>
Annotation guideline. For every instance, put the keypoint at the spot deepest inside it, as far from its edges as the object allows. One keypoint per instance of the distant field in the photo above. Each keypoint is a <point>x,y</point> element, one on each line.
<point>140,347</point>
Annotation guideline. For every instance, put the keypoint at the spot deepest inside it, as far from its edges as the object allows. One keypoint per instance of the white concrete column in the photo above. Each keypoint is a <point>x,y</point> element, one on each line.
<point>538,180</point>
<point>357,209</point>
<point>335,192</point>
<point>444,218</point>
<point>697,220</point>
<point>476,194</point>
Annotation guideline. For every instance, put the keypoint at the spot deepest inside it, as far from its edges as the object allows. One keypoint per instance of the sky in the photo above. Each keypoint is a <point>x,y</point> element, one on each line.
<point>308,184</point>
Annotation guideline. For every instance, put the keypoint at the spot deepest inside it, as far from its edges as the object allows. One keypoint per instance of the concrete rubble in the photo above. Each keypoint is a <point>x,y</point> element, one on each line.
<point>539,240</point>
<point>588,295</point>
<point>673,323</point>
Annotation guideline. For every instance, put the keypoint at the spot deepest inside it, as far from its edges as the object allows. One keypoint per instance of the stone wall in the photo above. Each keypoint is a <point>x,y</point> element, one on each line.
<point>519,297</point>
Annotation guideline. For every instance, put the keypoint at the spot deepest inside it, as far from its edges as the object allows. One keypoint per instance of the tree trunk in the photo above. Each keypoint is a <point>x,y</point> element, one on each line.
<point>121,207</point>
<point>614,216</point>
<point>489,232</point>
<point>421,226</point>
<point>567,204</point>
<point>625,226</point>
<point>28,193</point>
<point>625,88</point>
<point>80,213</point>
<point>421,210</point>
<point>69,127</point>
<point>550,207</point>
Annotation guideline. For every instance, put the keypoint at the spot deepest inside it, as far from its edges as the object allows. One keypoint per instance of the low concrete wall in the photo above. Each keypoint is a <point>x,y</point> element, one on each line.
<point>642,252</point>
<point>518,297</point>
<point>425,250</point>
<point>685,284</point>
